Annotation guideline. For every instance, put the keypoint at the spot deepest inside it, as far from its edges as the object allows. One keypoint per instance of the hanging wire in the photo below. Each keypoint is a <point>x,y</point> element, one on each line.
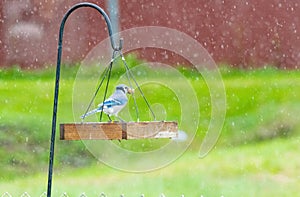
<point>130,84</point>
<point>107,69</point>
<point>139,88</point>
<point>107,83</point>
<point>107,73</point>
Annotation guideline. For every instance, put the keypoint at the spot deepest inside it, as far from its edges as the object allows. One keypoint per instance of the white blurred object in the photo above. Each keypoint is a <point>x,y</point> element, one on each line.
<point>182,136</point>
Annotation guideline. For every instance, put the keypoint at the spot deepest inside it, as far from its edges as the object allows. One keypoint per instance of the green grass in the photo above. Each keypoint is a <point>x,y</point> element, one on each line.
<point>256,155</point>
<point>263,169</point>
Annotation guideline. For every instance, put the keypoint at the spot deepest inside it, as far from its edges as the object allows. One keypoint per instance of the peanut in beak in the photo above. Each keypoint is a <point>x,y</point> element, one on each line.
<point>130,91</point>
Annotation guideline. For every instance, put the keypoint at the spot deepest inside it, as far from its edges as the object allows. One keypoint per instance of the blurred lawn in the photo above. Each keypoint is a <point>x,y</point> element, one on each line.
<point>263,169</point>
<point>256,155</point>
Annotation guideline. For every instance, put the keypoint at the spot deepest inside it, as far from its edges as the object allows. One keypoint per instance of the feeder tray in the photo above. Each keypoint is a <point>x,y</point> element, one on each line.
<point>118,130</point>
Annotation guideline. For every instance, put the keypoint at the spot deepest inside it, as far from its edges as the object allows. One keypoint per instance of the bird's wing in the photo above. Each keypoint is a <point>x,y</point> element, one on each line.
<point>110,103</point>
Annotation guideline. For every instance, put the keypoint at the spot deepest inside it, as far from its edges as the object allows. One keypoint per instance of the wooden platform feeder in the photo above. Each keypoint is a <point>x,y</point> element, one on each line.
<point>118,130</point>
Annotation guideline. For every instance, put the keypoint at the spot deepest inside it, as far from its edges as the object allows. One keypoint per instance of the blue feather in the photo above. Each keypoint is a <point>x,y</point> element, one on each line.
<point>109,103</point>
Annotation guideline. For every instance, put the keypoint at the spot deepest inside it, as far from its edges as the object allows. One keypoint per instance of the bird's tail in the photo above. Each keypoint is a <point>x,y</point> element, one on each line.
<point>89,113</point>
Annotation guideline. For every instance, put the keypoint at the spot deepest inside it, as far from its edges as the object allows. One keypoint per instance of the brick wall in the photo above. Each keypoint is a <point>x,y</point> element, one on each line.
<point>244,33</point>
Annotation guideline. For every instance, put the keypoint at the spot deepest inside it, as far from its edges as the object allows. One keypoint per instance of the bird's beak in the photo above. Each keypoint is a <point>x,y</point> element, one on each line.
<point>130,91</point>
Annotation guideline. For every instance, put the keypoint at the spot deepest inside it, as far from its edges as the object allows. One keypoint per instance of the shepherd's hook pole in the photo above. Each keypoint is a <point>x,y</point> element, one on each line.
<point>54,117</point>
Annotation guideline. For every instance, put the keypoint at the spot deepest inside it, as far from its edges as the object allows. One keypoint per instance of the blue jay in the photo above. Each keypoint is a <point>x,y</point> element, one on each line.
<point>114,104</point>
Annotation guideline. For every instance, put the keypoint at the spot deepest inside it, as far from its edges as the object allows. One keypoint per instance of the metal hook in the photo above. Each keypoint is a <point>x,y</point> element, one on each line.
<point>121,41</point>
<point>101,11</point>
<point>56,91</point>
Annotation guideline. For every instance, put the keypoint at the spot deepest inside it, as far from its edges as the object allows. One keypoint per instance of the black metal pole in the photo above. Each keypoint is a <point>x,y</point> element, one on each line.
<point>54,117</point>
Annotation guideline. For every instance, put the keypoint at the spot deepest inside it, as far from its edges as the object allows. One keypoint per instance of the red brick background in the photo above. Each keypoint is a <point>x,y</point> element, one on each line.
<point>243,33</point>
